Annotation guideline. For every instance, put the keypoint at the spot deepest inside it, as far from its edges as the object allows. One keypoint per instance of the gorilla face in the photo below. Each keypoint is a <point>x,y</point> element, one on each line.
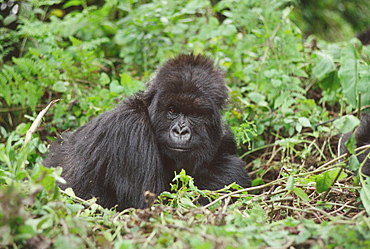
<point>187,127</point>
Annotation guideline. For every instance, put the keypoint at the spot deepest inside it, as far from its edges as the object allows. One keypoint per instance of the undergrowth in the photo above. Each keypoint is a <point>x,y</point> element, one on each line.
<point>303,209</point>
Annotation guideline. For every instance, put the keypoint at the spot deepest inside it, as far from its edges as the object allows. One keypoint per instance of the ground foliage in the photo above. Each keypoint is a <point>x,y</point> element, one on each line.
<point>290,97</point>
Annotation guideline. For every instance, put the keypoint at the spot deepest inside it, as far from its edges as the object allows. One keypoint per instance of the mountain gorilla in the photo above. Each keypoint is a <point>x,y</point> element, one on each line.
<point>175,124</point>
<point>362,138</point>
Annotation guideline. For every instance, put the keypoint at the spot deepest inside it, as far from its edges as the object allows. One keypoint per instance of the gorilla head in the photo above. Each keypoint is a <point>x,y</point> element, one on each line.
<point>186,98</point>
<point>175,124</point>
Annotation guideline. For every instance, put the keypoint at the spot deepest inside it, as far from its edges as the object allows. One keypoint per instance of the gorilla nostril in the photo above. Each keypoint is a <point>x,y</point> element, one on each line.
<point>185,134</point>
<point>176,130</point>
<point>181,133</point>
<point>185,131</point>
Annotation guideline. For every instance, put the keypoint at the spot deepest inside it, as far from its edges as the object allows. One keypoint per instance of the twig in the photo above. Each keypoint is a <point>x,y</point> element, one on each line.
<point>323,167</point>
<point>264,57</point>
<point>288,244</point>
<point>238,192</point>
<point>351,113</point>
<point>332,184</point>
<point>150,237</point>
<point>37,122</point>
<point>82,201</point>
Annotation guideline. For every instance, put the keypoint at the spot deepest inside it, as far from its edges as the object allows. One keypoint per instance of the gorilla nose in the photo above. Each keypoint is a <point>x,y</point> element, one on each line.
<point>181,133</point>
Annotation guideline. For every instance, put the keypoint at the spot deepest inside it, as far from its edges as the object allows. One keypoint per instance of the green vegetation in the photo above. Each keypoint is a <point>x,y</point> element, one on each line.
<point>332,20</point>
<point>290,97</point>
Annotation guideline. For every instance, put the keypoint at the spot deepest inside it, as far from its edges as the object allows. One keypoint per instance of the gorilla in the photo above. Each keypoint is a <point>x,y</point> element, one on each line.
<point>362,138</point>
<point>176,123</point>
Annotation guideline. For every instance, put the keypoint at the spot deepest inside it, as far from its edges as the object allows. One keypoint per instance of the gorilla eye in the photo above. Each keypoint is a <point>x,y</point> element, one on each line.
<point>172,110</point>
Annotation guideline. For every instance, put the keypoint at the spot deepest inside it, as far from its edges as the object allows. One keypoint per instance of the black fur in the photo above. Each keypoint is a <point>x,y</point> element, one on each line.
<point>362,138</point>
<point>175,124</point>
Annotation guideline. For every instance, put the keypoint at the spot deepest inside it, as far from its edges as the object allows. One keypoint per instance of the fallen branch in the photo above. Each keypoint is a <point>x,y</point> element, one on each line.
<point>37,122</point>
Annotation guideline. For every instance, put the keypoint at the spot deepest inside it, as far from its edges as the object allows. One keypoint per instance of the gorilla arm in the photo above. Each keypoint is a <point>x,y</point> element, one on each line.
<point>225,168</point>
<point>113,157</point>
<point>221,172</point>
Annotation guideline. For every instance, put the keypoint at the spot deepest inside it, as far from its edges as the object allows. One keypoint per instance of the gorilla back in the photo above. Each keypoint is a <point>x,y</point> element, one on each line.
<point>136,147</point>
<point>362,138</point>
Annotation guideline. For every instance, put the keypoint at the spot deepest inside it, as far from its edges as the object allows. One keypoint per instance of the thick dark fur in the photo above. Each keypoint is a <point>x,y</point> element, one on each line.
<point>362,138</point>
<point>175,124</point>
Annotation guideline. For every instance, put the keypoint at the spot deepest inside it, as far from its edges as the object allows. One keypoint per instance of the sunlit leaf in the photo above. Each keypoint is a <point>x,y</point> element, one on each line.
<point>346,123</point>
<point>365,195</point>
<point>301,194</point>
<point>323,67</point>
<point>348,74</point>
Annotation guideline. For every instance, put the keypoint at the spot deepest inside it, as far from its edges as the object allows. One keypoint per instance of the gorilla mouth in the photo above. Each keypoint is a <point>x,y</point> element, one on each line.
<point>179,149</point>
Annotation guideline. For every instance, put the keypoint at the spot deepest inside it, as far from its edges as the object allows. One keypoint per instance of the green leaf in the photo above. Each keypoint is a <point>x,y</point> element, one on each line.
<point>330,83</point>
<point>325,180</point>
<point>114,86</point>
<point>301,194</point>
<point>365,195</point>
<point>42,148</point>
<point>21,175</point>
<point>69,192</point>
<point>9,19</point>
<point>25,231</point>
<point>186,202</point>
<point>304,122</point>
<point>257,181</point>
<point>104,79</point>
<point>57,12</point>
<point>75,42</point>
<point>346,123</point>
<point>257,98</point>
<point>48,182</point>
<point>74,208</point>
<point>108,235</point>
<point>72,3</point>
<point>323,183</point>
<point>353,163</point>
<point>60,86</point>
<point>290,183</point>
<point>348,74</point>
<point>363,87</point>
<point>131,86</point>
<point>192,6</point>
<point>351,144</point>
<point>324,67</point>
<point>22,128</point>
<point>45,222</point>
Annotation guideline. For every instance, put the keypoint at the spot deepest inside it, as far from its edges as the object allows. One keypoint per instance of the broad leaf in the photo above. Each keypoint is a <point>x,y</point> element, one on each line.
<point>348,74</point>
